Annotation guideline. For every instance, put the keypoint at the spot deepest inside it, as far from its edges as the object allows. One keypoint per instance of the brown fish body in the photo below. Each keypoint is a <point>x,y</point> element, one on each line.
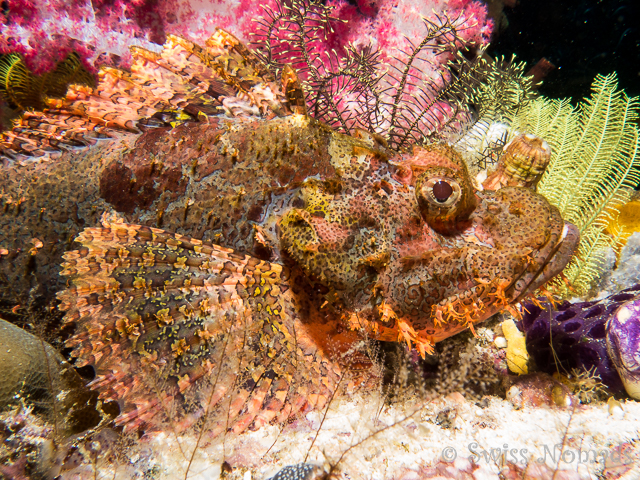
<point>225,182</point>
<point>242,260</point>
<point>211,181</point>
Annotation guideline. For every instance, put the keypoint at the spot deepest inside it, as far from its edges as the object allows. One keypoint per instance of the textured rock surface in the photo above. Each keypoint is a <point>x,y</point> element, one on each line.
<point>35,374</point>
<point>623,272</point>
<point>31,367</point>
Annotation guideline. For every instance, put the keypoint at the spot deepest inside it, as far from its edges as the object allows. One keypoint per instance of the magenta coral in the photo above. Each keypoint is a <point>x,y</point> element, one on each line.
<point>388,24</point>
<point>46,32</point>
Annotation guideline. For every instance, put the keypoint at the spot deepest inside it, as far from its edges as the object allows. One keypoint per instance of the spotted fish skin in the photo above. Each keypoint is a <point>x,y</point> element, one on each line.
<point>232,254</point>
<point>203,323</point>
<point>216,181</point>
<point>301,471</point>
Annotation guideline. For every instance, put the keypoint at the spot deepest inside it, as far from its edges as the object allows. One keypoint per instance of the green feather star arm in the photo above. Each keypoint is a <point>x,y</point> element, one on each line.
<point>594,163</point>
<point>594,167</point>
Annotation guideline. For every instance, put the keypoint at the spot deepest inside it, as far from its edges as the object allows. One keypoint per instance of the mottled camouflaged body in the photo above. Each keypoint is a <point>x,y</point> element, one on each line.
<point>246,254</point>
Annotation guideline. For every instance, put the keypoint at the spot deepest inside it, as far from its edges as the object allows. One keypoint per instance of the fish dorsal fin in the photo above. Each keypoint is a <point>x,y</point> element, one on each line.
<point>170,322</point>
<point>293,90</point>
<point>183,82</point>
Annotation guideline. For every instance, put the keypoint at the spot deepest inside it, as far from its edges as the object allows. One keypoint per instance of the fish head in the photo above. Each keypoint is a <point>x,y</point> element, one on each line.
<point>414,252</point>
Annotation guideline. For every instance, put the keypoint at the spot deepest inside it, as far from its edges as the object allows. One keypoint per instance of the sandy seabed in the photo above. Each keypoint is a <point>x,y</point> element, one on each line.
<point>461,438</point>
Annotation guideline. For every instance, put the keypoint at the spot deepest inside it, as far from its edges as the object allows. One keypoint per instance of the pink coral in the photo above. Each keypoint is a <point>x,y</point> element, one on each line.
<point>46,32</point>
<point>388,24</point>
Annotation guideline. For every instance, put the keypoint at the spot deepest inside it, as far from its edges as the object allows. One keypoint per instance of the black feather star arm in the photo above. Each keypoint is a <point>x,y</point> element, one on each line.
<point>339,85</point>
<point>348,96</point>
<point>292,32</point>
<point>429,95</point>
<point>421,95</point>
<point>503,92</point>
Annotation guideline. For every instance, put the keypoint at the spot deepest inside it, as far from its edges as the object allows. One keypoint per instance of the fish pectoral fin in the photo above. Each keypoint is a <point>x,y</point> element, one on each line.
<point>422,343</point>
<point>161,316</point>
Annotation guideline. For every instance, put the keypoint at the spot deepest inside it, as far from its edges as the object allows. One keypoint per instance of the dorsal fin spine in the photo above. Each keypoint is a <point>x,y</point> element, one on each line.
<point>223,77</point>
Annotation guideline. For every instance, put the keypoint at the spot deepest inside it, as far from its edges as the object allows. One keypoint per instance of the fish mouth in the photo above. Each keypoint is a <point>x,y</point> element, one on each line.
<point>557,259</point>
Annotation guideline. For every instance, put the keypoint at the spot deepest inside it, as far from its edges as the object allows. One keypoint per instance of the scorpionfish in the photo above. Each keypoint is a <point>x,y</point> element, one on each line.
<point>233,255</point>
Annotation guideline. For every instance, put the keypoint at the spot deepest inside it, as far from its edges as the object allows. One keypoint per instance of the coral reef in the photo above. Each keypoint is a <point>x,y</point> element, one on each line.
<point>235,256</point>
<point>27,449</point>
<point>30,448</point>
<point>572,336</point>
<point>623,345</point>
<point>32,368</point>
<point>361,437</point>
<point>540,390</point>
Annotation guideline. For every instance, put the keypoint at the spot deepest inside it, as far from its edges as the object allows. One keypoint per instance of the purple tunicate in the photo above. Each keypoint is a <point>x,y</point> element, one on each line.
<point>577,332</point>
<point>623,345</point>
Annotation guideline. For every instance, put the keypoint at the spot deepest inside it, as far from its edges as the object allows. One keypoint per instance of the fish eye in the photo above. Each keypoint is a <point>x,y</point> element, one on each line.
<point>445,199</point>
<point>441,191</point>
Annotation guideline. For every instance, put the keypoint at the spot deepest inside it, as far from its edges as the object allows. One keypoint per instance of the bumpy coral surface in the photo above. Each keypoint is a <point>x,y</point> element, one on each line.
<point>31,367</point>
<point>35,374</point>
<point>248,248</point>
<point>623,345</point>
<point>572,336</point>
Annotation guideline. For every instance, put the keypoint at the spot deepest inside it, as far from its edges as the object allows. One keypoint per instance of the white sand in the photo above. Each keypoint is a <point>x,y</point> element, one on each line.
<point>414,442</point>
